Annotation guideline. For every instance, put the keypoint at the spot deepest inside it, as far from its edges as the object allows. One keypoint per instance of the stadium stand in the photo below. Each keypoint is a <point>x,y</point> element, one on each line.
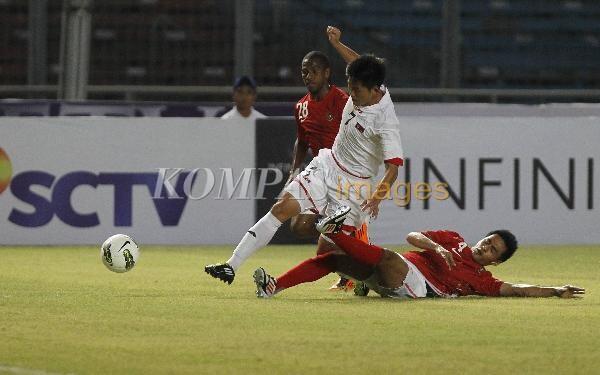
<point>162,42</point>
<point>13,39</point>
<point>504,43</point>
<point>394,29</point>
<point>544,44</point>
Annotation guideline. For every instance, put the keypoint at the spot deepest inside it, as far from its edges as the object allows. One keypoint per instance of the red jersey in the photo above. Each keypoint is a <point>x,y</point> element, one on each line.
<point>319,121</point>
<point>467,277</point>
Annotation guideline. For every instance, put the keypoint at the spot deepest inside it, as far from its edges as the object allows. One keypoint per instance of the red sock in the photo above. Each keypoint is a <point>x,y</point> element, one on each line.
<point>363,252</point>
<point>310,270</point>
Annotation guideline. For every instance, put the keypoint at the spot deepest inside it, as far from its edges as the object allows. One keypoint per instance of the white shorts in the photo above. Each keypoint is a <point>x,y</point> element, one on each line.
<point>324,185</point>
<point>414,285</point>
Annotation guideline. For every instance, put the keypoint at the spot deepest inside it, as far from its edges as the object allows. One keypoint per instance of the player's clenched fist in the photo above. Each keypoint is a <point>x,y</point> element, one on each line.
<point>334,34</point>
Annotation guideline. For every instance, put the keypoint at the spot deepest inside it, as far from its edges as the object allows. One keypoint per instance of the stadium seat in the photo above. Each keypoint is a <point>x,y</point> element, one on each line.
<point>95,109</point>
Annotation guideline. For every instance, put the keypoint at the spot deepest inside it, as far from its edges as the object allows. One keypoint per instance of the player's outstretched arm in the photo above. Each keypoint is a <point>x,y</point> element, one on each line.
<point>348,54</point>
<point>524,290</point>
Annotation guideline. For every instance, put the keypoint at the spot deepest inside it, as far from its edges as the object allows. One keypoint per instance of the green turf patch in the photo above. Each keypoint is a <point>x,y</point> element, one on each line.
<point>62,311</point>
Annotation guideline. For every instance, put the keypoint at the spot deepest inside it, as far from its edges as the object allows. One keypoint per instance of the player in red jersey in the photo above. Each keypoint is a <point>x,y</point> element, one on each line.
<point>318,115</point>
<point>447,266</point>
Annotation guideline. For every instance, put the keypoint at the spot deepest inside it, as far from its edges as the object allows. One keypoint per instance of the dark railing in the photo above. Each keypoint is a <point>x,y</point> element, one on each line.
<point>293,93</point>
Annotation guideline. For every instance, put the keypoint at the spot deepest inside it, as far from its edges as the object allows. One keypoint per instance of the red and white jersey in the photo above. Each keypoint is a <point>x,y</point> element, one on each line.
<point>318,122</point>
<point>368,136</point>
<point>466,278</point>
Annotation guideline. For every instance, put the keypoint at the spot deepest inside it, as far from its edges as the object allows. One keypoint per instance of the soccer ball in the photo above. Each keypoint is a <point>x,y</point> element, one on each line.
<point>119,253</point>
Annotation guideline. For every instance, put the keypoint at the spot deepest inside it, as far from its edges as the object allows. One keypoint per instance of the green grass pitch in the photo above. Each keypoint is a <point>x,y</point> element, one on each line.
<point>62,312</point>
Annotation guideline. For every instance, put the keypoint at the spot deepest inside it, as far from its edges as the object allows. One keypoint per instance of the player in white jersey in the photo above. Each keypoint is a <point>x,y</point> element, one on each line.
<point>368,137</point>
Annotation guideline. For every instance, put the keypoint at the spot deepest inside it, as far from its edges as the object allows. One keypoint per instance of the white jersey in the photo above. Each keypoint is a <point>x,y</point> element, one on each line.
<point>234,114</point>
<point>368,136</point>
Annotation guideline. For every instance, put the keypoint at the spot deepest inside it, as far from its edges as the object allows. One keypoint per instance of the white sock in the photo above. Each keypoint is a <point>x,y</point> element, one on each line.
<point>256,237</point>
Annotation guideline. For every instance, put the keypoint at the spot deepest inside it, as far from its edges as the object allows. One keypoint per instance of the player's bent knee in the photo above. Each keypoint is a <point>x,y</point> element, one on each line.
<point>285,209</point>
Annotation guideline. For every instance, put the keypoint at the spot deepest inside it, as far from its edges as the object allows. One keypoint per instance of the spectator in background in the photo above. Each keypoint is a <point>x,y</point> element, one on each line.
<point>244,96</point>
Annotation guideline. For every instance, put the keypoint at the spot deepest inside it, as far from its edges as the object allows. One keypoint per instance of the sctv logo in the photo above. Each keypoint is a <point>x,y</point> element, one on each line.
<point>27,187</point>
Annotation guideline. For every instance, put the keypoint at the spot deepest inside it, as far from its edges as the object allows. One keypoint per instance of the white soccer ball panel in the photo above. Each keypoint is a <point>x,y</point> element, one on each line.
<point>119,253</point>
